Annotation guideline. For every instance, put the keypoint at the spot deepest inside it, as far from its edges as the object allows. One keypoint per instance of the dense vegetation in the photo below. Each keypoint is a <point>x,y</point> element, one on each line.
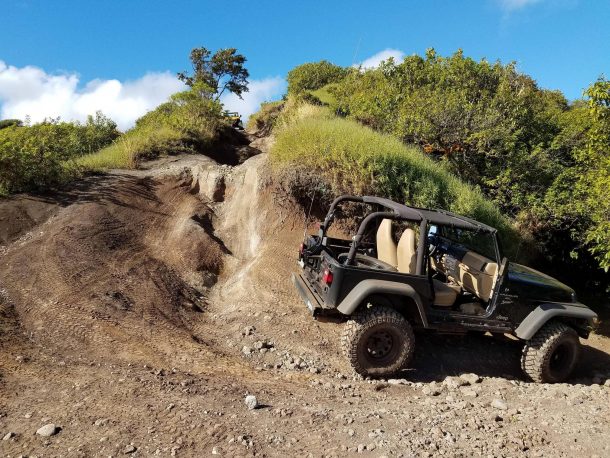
<point>541,159</point>
<point>42,155</point>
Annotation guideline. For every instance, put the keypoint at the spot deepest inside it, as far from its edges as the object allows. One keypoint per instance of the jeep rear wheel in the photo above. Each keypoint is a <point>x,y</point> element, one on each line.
<point>550,356</point>
<point>378,342</point>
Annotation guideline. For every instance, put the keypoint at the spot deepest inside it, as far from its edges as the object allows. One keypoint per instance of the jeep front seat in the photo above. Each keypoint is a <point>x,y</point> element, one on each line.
<point>386,246</point>
<point>406,253</point>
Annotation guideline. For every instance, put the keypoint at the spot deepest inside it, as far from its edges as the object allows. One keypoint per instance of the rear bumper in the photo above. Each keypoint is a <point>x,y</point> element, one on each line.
<point>306,294</point>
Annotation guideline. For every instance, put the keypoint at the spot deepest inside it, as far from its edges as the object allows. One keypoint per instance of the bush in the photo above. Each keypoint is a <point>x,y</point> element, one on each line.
<point>187,123</point>
<point>341,156</point>
<point>314,75</point>
<point>38,156</point>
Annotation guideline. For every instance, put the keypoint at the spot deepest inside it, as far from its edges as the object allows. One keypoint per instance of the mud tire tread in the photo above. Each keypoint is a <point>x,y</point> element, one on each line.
<point>367,318</point>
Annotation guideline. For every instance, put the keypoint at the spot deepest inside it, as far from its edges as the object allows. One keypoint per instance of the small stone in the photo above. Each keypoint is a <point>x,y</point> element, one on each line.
<point>361,448</point>
<point>251,402</point>
<point>249,330</point>
<point>28,415</point>
<point>431,391</point>
<point>129,449</point>
<point>470,393</point>
<point>8,436</point>
<point>246,350</point>
<point>47,430</point>
<point>499,404</point>
<point>215,451</point>
<point>470,378</point>
<point>607,382</point>
<point>351,432</point>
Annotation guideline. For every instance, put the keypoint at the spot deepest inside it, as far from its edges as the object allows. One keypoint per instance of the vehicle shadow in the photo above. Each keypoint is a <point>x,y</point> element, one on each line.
<point>439,356</point>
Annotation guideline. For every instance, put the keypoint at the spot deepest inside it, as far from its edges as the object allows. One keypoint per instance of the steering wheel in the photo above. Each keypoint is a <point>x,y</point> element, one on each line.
<point>368,262</point>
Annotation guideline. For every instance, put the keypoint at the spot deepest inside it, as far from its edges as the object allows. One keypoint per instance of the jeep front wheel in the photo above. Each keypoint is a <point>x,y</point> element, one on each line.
<point>550,356</point>
<point>378,342</point>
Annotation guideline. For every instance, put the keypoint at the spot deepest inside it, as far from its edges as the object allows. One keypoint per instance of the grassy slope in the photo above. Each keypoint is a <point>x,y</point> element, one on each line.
<point>352,158</point>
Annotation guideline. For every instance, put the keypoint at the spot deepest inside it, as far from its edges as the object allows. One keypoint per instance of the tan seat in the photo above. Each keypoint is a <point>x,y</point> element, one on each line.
<point>406,253</point>
<point>386,246</point>
<point>444,294</point>
<point>478,274</point>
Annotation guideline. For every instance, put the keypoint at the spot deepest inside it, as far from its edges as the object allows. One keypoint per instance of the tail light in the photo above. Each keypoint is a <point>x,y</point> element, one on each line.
<point>327,277</point>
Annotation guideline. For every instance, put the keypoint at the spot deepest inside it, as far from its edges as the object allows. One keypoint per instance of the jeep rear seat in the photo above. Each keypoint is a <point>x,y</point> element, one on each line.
<point>386,246</point>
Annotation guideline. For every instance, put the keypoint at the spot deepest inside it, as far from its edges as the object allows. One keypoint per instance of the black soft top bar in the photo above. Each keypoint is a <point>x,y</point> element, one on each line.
<point>440,217</point>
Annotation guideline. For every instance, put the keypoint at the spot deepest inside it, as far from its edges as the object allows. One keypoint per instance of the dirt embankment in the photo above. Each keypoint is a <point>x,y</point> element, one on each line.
<point>138,309</point>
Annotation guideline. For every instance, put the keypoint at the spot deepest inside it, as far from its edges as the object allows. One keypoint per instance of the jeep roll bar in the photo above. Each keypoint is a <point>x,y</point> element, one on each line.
<point>397,211</point>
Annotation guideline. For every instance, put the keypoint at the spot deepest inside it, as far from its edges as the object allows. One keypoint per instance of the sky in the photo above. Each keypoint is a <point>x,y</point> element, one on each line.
<point>70,58</point>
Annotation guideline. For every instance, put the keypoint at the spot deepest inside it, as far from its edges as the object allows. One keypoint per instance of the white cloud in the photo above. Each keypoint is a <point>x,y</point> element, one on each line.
<point>512,5</point>
<point>259,91</point>
<point>381,56</point>
<point>30,91</point>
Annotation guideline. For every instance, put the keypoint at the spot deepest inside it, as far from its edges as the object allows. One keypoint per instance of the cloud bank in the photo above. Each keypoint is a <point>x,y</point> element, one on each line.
<point>375,60</point>
<point>30,91</point>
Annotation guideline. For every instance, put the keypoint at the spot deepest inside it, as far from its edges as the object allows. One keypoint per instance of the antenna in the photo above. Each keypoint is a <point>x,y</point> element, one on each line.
<point>308,214</point>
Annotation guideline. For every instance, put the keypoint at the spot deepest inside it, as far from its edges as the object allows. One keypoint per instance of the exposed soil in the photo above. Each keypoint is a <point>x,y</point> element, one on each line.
<point>138,309</point>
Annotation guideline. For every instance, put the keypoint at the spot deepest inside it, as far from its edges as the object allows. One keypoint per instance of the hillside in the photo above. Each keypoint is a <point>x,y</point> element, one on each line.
<point>139,307</point>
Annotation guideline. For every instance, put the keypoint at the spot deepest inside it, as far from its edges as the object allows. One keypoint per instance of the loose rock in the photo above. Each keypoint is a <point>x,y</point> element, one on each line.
<point>47,430</point>
<point>251,402</point>
<point>129,449</point>
<point>499,404</point>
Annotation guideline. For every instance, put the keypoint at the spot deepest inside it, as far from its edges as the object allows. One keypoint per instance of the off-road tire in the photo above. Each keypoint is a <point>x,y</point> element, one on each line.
<point>371,326</point>
<point>550,356</point>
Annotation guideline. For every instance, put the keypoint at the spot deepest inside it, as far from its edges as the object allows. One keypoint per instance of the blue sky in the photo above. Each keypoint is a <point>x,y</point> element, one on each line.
<point>71,56</point>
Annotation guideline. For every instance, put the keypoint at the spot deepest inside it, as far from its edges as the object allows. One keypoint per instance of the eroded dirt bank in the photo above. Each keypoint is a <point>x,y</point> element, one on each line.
<point>138,311</point>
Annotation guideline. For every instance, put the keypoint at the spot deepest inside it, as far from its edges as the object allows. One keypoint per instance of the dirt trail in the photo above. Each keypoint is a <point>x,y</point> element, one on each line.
<point>138,309</point>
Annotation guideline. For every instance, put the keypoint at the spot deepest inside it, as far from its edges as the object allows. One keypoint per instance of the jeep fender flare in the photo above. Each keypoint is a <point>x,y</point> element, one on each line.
<point>368,288</point>
<point>544,312</point>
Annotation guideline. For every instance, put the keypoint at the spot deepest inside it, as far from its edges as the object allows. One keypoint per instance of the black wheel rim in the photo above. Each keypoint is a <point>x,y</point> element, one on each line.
<point>379,345</point>
<point>561,360</point>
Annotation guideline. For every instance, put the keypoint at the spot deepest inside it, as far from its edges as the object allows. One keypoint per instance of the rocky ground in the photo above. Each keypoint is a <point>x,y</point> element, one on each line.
<point>151,313</point>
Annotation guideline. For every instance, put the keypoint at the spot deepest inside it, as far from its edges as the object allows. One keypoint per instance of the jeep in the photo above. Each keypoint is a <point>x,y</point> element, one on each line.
<point>411,268</point>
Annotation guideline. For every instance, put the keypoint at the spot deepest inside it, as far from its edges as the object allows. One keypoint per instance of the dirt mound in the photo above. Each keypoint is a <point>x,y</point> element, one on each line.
<point>131,256</point>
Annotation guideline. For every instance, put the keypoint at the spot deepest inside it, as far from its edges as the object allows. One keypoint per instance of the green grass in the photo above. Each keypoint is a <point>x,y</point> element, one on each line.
<point>127,151</point>
<point>350,158</point>
<point>324,95</point>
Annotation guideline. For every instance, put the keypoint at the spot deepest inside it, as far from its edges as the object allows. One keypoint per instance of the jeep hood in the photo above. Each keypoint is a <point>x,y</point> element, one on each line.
<point>538,286</point>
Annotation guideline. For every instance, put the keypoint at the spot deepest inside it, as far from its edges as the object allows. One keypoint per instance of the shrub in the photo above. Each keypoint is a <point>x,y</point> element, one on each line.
<point>314,75</point>
<point>187,123</point>
<point>342,156</point>
<point>38,156</point>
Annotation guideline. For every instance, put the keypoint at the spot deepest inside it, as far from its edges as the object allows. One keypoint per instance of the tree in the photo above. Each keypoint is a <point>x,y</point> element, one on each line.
<point>594,180</point>
<point>214,74</point>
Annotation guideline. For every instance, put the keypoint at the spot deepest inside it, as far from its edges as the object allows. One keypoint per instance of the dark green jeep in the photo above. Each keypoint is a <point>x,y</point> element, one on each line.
<point>409,268</point>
